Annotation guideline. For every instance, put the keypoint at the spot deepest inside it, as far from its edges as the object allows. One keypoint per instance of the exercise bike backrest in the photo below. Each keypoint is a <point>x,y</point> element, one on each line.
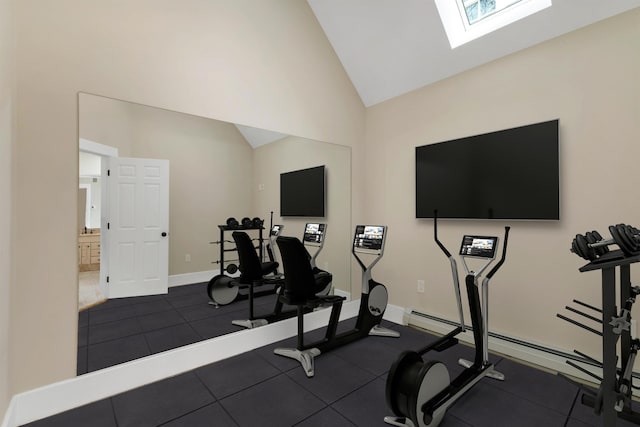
<point>251,268</point>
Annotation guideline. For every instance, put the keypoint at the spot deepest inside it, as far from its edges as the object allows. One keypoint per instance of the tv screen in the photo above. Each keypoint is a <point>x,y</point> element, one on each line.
<point>369,238</point>
<point>302,192</point>
<point>509,174</point>
<point>314,233</point>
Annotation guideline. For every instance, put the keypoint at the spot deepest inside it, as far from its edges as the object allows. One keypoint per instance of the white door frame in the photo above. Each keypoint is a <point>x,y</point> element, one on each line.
<point>103,151</point>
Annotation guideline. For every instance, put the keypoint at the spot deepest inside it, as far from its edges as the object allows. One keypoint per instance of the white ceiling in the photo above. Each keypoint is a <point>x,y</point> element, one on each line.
<point>391,47</point>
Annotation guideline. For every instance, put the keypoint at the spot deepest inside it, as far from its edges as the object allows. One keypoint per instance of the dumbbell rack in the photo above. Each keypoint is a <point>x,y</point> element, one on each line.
<point>225,228</point>
<point>609,395</point>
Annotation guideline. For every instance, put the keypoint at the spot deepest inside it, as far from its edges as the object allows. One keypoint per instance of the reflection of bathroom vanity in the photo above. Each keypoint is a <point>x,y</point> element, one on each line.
<point>89,251</point>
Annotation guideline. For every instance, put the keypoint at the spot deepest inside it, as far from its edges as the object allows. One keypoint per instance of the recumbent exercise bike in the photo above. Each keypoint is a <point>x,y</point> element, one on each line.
<point>298,290</point>
<point>313,238</point>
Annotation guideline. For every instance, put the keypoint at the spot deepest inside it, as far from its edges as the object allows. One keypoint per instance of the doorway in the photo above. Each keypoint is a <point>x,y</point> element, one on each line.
<point>91,205</point>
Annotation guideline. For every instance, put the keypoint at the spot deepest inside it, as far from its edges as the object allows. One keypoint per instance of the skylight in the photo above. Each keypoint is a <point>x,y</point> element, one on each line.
<point>466,20</point>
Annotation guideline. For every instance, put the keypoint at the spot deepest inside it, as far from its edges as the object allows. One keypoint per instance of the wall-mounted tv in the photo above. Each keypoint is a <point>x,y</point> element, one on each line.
<point>508,174</point>
<point>302,192</point>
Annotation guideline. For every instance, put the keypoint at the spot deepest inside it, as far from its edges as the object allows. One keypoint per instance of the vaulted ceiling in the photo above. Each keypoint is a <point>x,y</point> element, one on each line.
<point>391,47</point>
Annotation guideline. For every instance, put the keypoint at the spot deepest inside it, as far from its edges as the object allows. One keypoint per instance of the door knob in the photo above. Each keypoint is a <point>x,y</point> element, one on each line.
<point>164,234</point>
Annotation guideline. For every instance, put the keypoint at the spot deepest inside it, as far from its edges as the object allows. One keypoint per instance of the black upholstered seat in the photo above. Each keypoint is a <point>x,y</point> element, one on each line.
<point>302,283</point>
<point>251,268</point>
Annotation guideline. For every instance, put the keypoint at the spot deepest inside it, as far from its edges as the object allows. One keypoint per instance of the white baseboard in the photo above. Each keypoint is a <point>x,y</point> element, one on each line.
<point>341,293</point>
<point>190,278</point>
<point>10,417</point>
<point>394,314</point>
<point>544,359</point>
<point>58,397</point>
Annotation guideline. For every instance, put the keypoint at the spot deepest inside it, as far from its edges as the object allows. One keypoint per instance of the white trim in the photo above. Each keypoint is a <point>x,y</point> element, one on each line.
<point>341,293</point>
<point>97,148</point>
<point>394,314</point>
<point>459,34</point>
<point>105,151</point>
<point>10,416</point>
<point>533,356</point>
<point>191,278</point>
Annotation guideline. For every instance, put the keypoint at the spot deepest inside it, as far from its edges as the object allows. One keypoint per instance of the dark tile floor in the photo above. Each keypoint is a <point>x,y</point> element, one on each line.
<point>259,388</point>
<point>124,329</point>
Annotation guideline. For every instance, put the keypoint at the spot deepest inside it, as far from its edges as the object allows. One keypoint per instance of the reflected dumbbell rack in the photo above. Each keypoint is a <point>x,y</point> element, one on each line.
<point>221,289</point>
<point>232,225</point>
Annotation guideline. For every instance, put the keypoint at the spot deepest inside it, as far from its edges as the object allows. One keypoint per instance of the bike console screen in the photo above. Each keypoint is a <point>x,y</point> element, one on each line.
<point>369,237</point>
<point>314,233</point>
<point>275,230</point>
<point>479,246</point>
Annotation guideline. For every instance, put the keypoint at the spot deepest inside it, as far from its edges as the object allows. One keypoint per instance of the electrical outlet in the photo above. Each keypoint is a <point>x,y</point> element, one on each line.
<point>187,258</point>
<point>260,187</point>
<point>421,286</point>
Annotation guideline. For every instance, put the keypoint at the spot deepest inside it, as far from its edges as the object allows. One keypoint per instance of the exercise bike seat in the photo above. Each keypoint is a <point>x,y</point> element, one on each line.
<point>251,268</point>
<point>301,282</point>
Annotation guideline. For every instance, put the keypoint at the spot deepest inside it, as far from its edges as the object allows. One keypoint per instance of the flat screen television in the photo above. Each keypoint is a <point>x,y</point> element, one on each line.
<point>302,192</point>
<point>508,174</point>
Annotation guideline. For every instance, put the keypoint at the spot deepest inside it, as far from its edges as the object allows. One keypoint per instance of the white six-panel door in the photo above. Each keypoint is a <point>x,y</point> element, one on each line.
<point>138,227</point>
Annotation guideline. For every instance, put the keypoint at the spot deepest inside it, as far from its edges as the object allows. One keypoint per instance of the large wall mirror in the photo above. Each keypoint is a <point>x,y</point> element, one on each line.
<point>217,170</point>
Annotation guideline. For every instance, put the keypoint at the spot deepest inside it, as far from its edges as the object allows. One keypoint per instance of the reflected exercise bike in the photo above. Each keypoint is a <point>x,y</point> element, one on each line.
<point>313,237</point>
<point>299,280</point>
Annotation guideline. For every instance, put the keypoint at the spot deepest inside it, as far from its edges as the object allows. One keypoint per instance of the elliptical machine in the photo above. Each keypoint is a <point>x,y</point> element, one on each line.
<point>418,392</point>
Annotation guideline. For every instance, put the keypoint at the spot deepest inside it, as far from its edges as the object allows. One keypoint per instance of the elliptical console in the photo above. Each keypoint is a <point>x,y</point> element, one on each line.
<point>418,392</point>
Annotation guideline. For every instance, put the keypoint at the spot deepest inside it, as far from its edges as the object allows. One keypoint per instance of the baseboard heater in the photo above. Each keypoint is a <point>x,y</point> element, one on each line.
<point>542,356</point>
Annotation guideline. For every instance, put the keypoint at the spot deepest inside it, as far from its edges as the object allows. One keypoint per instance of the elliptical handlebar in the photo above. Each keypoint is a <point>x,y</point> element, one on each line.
<point>435,234</point>
<point>504,254</point>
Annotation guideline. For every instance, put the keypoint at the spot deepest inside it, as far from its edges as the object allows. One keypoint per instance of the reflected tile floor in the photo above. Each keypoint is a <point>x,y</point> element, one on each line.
<point>259,388</point>
<point>124,329</point>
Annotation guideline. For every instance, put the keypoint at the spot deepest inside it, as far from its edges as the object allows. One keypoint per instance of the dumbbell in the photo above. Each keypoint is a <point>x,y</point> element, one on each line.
<point>232,223</point>
<point>246,222</point>
<point>257,222</point>
<point>591,245</point>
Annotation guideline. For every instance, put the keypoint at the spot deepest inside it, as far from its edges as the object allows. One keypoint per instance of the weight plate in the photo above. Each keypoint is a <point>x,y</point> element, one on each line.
<point>582,248</point>
<point>575,248</point>
<point>620,241</point>
<point>627,237</point>
<point>231,268</point>
<point>222,290</point>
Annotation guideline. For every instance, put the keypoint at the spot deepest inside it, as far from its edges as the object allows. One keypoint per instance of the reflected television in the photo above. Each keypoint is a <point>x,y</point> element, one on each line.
<point>302,192</point>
